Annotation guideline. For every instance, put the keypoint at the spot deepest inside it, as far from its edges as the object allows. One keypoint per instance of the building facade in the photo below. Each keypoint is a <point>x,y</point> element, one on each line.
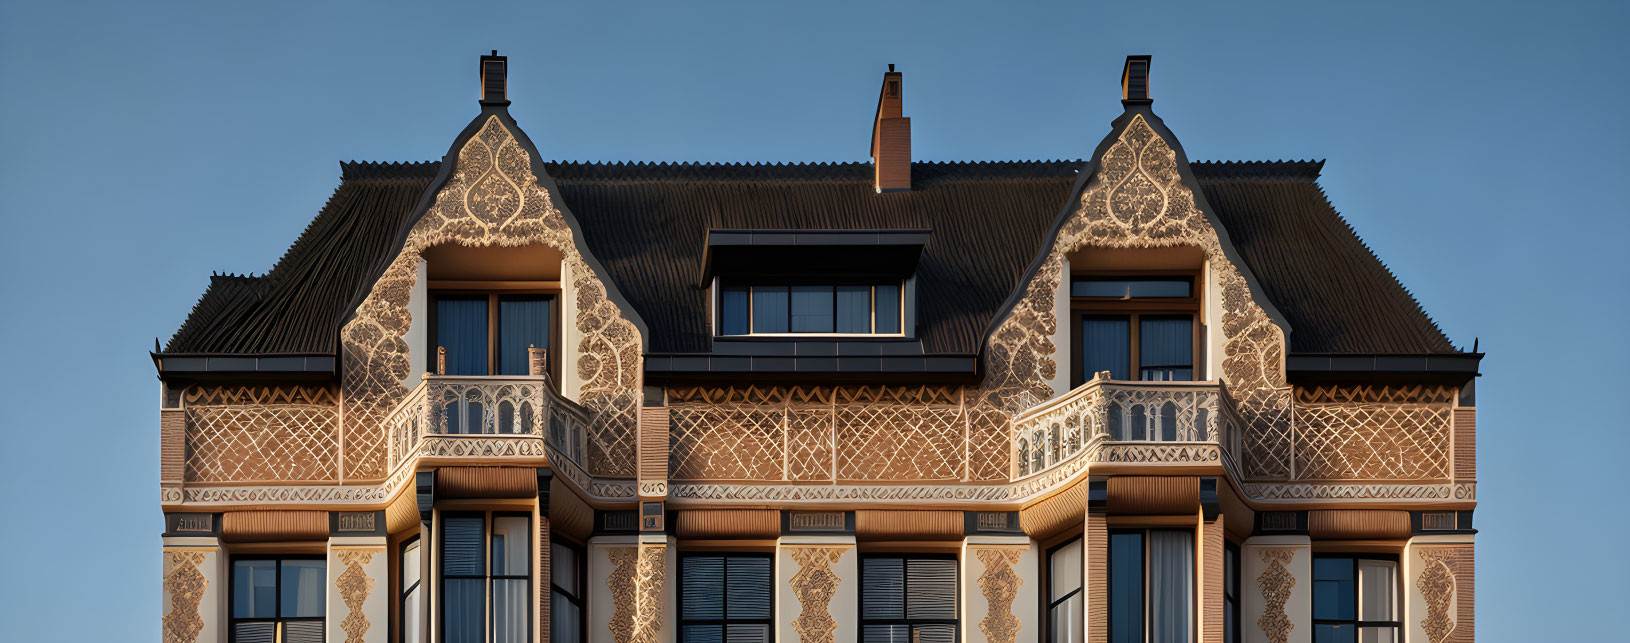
<point>496,399</point>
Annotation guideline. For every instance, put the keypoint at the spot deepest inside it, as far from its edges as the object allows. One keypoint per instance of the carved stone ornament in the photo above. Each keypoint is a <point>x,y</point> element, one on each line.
<point>1276,583</point>
<point>814,585</point>
<point>1137,199</point>
<point>636,581</point>
<point>1437,586</point>
<point>185,584</point>
<point>491,199</point>
<point>1000,585</point>
<point>261,434</point>
<point>355,585</point>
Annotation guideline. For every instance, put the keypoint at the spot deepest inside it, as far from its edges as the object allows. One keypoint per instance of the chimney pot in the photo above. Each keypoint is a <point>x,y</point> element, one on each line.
<point>495,79</point>
<point>1135,81</point>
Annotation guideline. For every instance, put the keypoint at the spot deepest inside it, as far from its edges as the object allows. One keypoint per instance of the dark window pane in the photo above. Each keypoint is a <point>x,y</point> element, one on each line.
<point>769,309</point>
<point>887,301</point>
<point>1335,634</point>
<point>463,610</point>
<point>522,323</point>
<point>1160,288</point>
<point>931,587</point>
<point>854,309</point>
<point>1166,348</point>
<point>1106,345</point>
<point>703,587</point>
<point>461,328</point>
<point>265,632</point>
<point>303,583</point>
<point>702,634</point>
<point>749,589</point>
<point>1100,288</point>
<point>254,590</point>
<point>1126,588</point>
<point>1134,288</point>
<point>303,632</point>
<point>462,550</point>
<point>1332,569</point>
<point>747,633</point>
<point>811,309</point>
<point>563,568</point>
<point>885,634</point>
<point>733,312</point>
<point>565,621</point>
<point>882,588</point>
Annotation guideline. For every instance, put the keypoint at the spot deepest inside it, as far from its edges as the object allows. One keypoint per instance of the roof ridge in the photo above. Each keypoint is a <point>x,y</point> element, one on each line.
<point>387,169</point>
<point>1309,169</point>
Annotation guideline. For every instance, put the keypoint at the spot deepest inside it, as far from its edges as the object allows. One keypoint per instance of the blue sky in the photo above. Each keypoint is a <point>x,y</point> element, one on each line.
<point>1479,148</point>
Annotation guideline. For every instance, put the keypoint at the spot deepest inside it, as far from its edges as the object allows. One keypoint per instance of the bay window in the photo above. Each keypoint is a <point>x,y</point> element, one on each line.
<point>486,577</point>
<point>1151,586</point>
<point>278,599</point>
<point>908,599</point>
<point>1137,328</point>
<point>725,598</point>
<point>1355,599</point>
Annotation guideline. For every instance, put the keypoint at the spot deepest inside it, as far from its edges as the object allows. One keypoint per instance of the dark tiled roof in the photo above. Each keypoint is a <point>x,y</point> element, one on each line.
<point>647,223</point>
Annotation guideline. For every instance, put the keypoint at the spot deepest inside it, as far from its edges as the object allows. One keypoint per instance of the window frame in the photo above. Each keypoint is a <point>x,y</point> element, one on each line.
<point>487,576</point>
<point>580,601</point>
<point>1132,310</point>
<point>1397,625</point>
<point>1051,603</point>
<point>724,285</point>
<point>679,594</point>
<point>278,620</point>
<point>1231,627</point>
<point>494,328</point>
<point>1148,614</point>
<point>905,593</point>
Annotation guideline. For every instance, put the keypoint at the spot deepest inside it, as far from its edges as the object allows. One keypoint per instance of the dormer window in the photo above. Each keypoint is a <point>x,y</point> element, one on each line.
<point>810,309</point>
<point>1137,327</point>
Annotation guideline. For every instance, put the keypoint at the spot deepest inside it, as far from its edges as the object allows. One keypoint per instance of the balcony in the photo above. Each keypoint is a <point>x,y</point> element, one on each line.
<point>1126,421</point>
<point>474,416</point>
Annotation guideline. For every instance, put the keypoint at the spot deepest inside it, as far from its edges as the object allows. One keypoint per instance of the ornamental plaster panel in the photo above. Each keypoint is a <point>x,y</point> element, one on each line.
<point>1276,583</point>
<point>1137,199</point>
<point>999,584</point>
<point>184,586</point>
<point>814,585</point>
<point>354,586</point>
<point>491,199</point>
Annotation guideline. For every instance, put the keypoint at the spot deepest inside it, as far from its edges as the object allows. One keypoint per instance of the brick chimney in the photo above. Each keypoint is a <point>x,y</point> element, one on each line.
<point>495,79</point>
<point>891,139</point>
<point>1135,81</point>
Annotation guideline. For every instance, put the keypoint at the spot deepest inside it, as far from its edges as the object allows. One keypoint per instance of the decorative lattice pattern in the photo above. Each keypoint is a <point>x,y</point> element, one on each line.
<point>492,198</point>
<point>805,434</point>
<point>1373,433</point>
<point>261,434</point>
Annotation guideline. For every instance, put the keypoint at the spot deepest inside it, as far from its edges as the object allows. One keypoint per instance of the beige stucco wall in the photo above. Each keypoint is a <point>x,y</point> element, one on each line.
<point>212,605</point>
<point>975,607</point>
<point>420,361</point>
<point>1299,607</point>
<point>1063,333</point>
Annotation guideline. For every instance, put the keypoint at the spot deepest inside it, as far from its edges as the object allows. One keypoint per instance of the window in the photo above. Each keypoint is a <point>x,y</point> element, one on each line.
<point>471,571</point>
<point>1065,617</point>
<point>780,309</point>
<point>412,598</point>
<point>908,599</point>
<point>278,599</point>
<point>1230,593</point>
<point>1151,586</point>
<point>1137,328</point>
<point>566,583</point>
<point>1355,599</point>
<point>489,334</point>
<point>725,598</point>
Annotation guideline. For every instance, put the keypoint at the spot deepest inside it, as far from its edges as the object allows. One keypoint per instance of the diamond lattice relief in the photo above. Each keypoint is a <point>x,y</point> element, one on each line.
<point>1373,433</point>
<point>261,434</point>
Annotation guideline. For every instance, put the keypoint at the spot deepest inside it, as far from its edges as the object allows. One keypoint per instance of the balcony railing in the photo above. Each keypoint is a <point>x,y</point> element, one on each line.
<point>470,407</point>
<point>1104,410</point>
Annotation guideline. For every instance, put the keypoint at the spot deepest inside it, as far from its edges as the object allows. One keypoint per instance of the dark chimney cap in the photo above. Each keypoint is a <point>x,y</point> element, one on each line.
<point>891,66</point>
<point>1135,81</point>
<point>495,79</point>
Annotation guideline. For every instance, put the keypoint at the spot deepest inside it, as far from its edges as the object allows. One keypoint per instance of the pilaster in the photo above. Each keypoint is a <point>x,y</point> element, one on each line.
<point>631,599</point>
<point>1276,589</point>
<point>1438,578</point>
<point>358,589</point>
<point>1000,590</point>
<point>195,589</point>
<point>817,581</point>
